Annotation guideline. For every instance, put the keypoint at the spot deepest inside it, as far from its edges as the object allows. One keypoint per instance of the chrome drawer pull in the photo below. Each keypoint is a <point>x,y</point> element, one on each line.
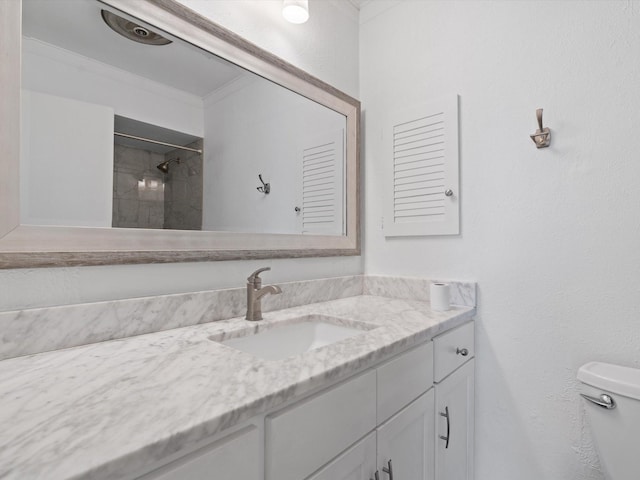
<point>446,415</point>
<point>604,400</point>
<point>462,351</point>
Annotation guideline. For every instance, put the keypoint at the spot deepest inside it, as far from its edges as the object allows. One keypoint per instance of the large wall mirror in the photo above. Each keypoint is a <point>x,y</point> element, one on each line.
<point>149,134</point>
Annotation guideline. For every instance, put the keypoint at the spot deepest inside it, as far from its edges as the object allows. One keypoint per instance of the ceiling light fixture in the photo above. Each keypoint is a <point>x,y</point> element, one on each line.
<point>295,11</point>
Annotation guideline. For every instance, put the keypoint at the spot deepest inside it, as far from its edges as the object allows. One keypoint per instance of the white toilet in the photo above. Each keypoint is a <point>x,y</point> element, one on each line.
<point>612,398</point>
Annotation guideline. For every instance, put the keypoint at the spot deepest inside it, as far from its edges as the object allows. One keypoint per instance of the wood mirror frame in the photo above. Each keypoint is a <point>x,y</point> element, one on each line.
<point>27,246</point>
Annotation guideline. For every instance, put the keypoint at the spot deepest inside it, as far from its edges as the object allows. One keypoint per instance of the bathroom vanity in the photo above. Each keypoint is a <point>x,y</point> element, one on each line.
<point>396,397</point>
<point>381,420</point>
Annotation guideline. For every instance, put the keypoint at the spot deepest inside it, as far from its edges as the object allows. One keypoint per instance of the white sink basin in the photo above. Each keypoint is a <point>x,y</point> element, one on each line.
<point>279,340</point>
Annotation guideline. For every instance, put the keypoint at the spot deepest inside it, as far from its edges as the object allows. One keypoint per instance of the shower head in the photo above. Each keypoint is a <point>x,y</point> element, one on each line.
<point>132,30</point>
<point>164,166</point>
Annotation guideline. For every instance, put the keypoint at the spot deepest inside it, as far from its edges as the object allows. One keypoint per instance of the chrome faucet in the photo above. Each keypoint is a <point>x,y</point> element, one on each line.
<point>255,292</point>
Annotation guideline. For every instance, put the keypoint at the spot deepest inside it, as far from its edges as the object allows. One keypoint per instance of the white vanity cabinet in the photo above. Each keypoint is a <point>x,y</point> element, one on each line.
<point>386,420</point>
<point>454,375</point>
<point>392,404</point>
<point>402,446</point>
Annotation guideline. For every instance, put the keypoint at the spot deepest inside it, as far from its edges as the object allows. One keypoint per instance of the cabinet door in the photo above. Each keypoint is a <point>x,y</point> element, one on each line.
<point>357,463</point>
<point>454,398</point>
<point>305,436</point>
<point>406,440</point>
<point>236,457</point>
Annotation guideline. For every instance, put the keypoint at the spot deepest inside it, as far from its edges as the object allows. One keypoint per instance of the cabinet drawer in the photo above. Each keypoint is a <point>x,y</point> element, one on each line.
<point>449,350</point>
<point>403,379</point>
<point>231,458</point>
<point>305,436</point>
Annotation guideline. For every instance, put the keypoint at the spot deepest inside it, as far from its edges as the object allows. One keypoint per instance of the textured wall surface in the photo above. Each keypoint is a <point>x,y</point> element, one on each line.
<point>327,47</point>
<point>551,235</point>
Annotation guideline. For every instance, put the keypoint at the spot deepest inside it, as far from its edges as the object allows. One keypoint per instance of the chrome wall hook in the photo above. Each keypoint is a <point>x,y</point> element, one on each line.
<point>265,188</point>
<point>542,137</point>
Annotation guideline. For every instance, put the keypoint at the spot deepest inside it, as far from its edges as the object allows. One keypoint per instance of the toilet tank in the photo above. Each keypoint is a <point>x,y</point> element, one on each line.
<point>615,430</point>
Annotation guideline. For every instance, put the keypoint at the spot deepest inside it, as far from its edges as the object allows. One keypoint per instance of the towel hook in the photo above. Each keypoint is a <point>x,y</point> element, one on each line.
<point>542,137</point>
<point>265,188</point>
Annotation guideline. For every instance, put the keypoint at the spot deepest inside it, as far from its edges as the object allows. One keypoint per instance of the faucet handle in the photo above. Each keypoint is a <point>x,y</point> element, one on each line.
<point>255,275</point>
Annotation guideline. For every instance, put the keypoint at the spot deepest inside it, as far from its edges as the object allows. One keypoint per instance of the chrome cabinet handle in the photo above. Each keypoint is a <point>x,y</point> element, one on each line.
<point>446,415</point>
<point>462,351</point>
<point>388,470</point>
<point>604,400</point>
<point>448,192</point>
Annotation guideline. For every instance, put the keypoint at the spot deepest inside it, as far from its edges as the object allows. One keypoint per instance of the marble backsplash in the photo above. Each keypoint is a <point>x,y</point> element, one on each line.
<point>414,288</point>
<point>43,329</point>
<point>26,332</point>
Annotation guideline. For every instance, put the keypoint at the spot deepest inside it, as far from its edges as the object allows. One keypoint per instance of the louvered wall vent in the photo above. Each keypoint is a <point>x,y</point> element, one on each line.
<point>423,176</point>
<point>322,184</point>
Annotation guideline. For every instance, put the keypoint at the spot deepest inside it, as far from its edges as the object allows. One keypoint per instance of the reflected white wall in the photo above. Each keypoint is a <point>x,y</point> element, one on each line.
<point>259,128</point>
<point>66,162</point>
<point>59,72</point>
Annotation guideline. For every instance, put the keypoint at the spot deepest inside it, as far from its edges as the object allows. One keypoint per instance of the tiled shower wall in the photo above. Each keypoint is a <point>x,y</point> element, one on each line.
<point>183,190</point>
<point>144,197</point>
<point>138,191</point>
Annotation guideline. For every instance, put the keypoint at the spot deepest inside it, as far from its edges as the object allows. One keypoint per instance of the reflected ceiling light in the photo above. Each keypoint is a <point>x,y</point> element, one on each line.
<point>295,11</point>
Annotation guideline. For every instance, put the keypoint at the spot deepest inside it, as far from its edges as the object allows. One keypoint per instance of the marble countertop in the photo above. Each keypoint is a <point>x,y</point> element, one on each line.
<point>108,409</point>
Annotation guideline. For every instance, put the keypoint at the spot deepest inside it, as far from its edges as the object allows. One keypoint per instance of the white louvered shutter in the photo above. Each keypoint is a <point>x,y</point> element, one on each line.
<point>422,156</point>
<point>322,184</point>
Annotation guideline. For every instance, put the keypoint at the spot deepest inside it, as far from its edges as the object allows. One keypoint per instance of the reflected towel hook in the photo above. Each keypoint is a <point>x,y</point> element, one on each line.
<point>542,137</point>
<point>265,188</point>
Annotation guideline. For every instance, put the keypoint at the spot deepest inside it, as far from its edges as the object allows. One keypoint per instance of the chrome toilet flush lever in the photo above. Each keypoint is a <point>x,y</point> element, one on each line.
<point>604,400</point>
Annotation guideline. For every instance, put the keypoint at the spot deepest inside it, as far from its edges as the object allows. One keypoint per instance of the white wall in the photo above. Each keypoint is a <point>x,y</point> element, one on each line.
<point>552,236</point>
<point>333,27</point>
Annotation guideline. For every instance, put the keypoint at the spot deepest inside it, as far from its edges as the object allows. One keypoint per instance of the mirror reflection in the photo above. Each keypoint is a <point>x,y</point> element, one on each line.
<point>125,125</point>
